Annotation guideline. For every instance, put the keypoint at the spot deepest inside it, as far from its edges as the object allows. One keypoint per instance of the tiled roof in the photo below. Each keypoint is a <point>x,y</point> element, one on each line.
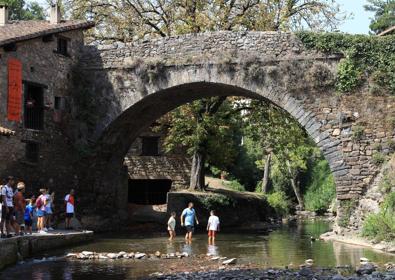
<point>6,132</point>
<point>16,31</point>
<point>387,31</point>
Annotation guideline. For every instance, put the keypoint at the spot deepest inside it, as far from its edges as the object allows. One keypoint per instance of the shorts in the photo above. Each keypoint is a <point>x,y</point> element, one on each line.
<point>212,233</point>
<point>190,229</point>
<point>170,229</point>
<point>69,215</point>
<point>40,213</point>
<point>20,217</point>
<point>28,223</point>
<point>10,215</point>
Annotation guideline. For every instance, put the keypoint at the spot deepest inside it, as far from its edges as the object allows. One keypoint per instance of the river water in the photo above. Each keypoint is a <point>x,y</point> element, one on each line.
<point>286,246</point>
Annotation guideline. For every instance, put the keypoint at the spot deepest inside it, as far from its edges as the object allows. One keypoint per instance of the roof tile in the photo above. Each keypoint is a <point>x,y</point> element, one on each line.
<point>16,31</point>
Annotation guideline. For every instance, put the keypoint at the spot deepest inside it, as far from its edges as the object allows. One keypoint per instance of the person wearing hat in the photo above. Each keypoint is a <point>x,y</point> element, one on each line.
<point>7,193</point>
<point>20,205</point>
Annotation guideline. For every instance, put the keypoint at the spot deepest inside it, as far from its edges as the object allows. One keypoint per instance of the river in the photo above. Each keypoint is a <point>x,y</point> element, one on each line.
<point>287,246</point>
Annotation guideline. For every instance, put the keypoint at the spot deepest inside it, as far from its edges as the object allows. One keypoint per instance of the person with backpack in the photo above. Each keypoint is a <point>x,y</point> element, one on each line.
<point>41,203</point>
<point>69,204</point>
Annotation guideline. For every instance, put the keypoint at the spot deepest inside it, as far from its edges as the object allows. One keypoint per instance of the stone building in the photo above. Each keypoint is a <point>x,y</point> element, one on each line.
<point>36,58</point>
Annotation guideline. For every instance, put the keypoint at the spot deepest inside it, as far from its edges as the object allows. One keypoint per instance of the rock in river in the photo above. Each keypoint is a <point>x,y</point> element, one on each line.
<point>230,261</point>
<point>139,256</point>
<point>366,268</point>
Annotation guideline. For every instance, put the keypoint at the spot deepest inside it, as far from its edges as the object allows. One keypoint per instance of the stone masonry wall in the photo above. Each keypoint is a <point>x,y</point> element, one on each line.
<point>41,65</point>
<point>134,84</point>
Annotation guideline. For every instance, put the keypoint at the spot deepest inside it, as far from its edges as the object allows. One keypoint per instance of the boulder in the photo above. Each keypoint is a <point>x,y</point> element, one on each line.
<point>306,272</point>
<point>363,260</point>
<point>87,253</point>
<point>139,256</point>
<point>366,268</point>
<point>112,255</point>
<point>230,261</point>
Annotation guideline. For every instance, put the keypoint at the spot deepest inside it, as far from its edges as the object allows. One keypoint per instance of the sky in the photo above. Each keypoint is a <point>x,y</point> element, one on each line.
<point>358,24</point>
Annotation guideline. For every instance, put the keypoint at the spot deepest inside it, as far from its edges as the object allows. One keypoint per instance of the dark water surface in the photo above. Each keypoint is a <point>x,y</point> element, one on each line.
<point>289,245</point>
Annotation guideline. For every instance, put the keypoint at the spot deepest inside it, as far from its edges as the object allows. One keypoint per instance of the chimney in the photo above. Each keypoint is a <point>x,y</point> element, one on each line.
<point>55,15</point>
<point>3,14</point>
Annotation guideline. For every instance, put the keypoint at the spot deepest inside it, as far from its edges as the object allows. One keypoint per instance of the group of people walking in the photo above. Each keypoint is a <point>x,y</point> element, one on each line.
<point>18,214</point>
<point>188,220</point>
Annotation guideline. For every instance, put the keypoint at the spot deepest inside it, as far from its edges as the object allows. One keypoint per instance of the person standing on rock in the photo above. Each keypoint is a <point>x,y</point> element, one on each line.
<point>188,218</point>
<point>212,227</point>
<point>20,205</point>
<point>69,203</point>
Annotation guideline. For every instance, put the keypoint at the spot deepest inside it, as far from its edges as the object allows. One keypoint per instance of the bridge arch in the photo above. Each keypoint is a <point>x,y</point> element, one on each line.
<point>134,84</point>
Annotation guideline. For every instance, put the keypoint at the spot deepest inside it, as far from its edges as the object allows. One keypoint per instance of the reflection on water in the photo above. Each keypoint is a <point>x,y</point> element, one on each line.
<point>287,246</point>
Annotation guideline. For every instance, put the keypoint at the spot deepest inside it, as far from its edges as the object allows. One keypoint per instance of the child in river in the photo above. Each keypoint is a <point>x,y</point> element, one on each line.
<point>171,225</point>
<point>212,227</point>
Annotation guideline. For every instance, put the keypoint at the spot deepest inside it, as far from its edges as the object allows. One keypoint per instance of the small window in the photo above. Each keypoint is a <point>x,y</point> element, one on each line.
<point>34,107</point>
<point>32,151</point>
<point>60,103</point>
<point>62,46</point>
<point>149,146</point>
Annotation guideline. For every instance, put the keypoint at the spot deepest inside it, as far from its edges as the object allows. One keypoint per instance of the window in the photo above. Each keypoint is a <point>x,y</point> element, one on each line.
<point>32,152</point>
<point>60,103</point>
<point>149,146</point>
<point>34,107</point>
<point>62,46</point>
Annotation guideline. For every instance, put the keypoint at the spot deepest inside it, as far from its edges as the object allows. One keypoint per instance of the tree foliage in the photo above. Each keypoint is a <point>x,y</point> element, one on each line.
<point>384,14</point>
<point>126,19</point>
<point>20,10</point>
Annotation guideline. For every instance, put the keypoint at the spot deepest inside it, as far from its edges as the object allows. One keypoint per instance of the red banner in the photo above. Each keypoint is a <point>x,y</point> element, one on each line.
<point>14,89</point>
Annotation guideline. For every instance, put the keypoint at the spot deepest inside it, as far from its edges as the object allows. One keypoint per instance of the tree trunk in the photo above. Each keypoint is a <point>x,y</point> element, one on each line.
<point>197,172</point>
<point>295,187</point>
<point>265,180</point>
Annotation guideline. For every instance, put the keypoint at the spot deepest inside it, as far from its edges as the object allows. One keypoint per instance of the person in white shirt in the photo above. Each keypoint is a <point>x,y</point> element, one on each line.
<point>212,227</point>
<point>171,225</point>
<point>69,203</point>
<point>7,193</point>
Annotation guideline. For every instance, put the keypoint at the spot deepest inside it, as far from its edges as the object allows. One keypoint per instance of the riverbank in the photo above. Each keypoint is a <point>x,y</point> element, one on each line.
<point>304,273</point>
<point>21,247</point>
<point>353,238</point>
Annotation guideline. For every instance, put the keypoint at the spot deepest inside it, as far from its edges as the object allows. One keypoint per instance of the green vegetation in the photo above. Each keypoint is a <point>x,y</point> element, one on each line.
<point>236,186</point>
<point>320,188</point>
<point>378,158</point>
<point>357,132</point>
<point>366,59</point>
<point>217,201</point>
<point>384,14</point>
<point>20,10</point>
<point>280,202</point>
<point>381,226</point>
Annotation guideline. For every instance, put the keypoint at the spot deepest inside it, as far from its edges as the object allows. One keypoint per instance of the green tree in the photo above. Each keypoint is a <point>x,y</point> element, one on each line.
<point>384,16</point>
<point>20,10</point>
<point>207,129</point>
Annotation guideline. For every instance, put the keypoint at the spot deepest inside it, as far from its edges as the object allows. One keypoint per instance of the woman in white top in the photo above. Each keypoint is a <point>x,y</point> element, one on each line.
<point>171,225</point>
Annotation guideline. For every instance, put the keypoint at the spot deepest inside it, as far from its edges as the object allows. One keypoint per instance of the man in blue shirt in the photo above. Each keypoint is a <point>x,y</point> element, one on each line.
<point>188,218</point>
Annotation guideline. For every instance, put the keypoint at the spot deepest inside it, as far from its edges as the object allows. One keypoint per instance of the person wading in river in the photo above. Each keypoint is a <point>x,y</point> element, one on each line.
<point>188,218</point>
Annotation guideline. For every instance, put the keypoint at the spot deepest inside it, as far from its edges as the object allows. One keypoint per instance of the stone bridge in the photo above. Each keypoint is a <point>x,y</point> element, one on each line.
<point>132,85</point>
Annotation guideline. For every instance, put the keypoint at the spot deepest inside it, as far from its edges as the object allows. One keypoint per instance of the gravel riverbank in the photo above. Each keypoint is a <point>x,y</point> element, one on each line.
<point>254,274</point>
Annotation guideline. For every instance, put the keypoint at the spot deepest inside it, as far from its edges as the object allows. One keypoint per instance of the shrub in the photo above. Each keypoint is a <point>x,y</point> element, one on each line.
<point>357,132</point>
<point>321,188</point>
<point>387,182</point>
<point>378,158</point>
<point>381,226</point>
<point>320,76</point>
<point>280,202</point>
<point>235,185</point>
<point>217,201</point>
